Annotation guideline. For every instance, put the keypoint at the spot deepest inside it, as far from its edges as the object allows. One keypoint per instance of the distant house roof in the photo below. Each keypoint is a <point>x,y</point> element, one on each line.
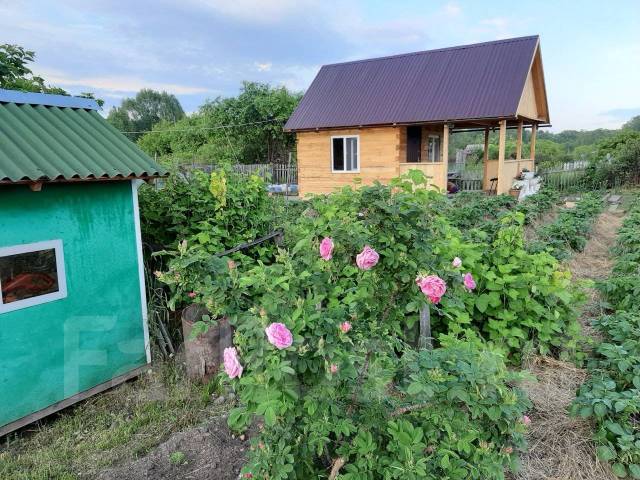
<point>484,80</point>
<point>55,137</point>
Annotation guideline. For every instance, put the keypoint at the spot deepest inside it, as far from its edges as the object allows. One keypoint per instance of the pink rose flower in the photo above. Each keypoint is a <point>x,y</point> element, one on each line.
<point>457,263</point>
<point>326,248</point>
<point>526,420</point>
<point>469,282</point>
<point>279,335</point>
<point>345,327</point>
<point>192,294</point>
<point>333,368</point>
<point>232,365</point>
<point>432,286</point>
<point>367,259</point>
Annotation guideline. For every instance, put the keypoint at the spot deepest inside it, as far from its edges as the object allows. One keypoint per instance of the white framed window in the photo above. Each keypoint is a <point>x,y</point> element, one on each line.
<point>345,153</point>
<point>433,148</point>
<point>31,274</point>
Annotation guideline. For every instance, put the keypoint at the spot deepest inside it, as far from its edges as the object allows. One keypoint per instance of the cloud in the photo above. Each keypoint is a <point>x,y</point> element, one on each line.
<point>263,67</point>
<point>452,9</point>
<point>114,85</point>
<point>256,11</point>
<point>623,114</point>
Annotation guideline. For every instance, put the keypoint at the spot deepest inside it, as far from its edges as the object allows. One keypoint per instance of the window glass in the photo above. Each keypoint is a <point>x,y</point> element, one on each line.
<point>28,275</point>
<point>433,148</point>
<point>345,154</point>
<point>352,153</point>
<point>338,154</point>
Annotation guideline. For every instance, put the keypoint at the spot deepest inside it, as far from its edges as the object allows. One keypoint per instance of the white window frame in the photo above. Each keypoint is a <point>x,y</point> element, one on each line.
<point>56,245</point>
<point>438,160</point>
<point>344,152</point>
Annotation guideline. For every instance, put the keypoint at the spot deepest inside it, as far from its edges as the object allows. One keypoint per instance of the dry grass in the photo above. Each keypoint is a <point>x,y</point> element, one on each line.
<point>560,446</point>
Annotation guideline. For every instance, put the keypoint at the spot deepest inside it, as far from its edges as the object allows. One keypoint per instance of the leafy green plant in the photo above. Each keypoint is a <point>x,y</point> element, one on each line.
<point>611,395</point>
<point>570,229</point>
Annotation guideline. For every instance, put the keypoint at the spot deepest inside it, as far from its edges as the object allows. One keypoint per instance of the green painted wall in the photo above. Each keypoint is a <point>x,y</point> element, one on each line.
<point>52,351</point>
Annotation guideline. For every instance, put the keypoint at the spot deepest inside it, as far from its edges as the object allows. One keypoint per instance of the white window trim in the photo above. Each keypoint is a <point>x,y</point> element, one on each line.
<point>439,160</point>
<point>62,278</point>
<point>344,137</point>
<point>135,185</point>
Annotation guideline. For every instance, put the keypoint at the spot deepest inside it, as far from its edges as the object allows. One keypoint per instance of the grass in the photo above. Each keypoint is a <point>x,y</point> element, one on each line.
<point>119,425</point>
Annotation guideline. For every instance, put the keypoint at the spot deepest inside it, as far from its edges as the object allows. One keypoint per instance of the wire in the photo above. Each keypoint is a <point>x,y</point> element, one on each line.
<point>216,127</point>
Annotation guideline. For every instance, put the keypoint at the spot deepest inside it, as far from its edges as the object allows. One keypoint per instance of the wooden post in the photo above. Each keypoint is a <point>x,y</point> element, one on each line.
<point>504,183</point>
<point>532,148</point>
<point>519,142</point>
<point>445,156</point>
<point>425,340</point>
<point>485,161</point>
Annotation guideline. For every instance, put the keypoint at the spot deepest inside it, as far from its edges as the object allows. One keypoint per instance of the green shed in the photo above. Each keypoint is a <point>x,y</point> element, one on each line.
<point>72,295</point>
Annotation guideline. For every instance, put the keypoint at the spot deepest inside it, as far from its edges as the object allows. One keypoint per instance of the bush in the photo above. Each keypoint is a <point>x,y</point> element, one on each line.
<point>216,211</point>
<point>325,354</point>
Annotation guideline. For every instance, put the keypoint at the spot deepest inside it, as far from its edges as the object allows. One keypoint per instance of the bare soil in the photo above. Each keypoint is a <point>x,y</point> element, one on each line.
<point>209,452</point>
<point>560,446</point>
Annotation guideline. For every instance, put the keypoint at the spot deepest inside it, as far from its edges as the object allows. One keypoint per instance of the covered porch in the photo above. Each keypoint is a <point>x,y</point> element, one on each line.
<point>426,147</point>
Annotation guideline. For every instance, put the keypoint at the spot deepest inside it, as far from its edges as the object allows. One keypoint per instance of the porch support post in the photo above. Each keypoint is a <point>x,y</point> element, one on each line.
<point>485,161</point>
<point>519,142</point>
<point>534,131</point>
<point>503,181</point>
<point>445,157</point>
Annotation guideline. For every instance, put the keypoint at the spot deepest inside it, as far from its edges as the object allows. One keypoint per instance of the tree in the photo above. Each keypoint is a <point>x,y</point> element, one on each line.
<point>146,109</point>
<point>242,129</point>
<point>633,124</point>
<point>16,75</point>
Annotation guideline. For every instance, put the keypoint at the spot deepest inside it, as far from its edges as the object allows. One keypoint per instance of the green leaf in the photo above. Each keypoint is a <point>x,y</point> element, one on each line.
<point>634,470</point>
<point>600,409</point>
<point>414,388</point>
<point>270,416</point>
<point>605,453</point>
<point>619,470</point>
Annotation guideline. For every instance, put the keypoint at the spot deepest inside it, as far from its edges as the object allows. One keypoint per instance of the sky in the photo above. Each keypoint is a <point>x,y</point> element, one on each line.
<point>202,49</point>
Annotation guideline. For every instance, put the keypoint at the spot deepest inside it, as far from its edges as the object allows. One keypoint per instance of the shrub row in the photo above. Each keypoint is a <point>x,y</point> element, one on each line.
<point>325,353</point>
<point>611,395</point>
<point>570,230</point>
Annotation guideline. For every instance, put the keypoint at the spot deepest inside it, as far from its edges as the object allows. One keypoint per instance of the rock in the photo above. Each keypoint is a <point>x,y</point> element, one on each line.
<point>219,400</point>
<point>614,199</point>
<point>570,205</point>
<point>614,207</point>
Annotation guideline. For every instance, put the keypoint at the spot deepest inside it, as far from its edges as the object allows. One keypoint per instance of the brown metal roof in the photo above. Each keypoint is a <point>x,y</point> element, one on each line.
<point>483,80</point>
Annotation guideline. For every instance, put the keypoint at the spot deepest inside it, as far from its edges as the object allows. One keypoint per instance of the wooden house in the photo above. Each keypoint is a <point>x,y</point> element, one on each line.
<point>72,295</point>
<point>375,119</point>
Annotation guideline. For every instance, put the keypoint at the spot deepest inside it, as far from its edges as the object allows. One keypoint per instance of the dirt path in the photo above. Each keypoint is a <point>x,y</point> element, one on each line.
<point>202,453</point>
<point>560,447</point>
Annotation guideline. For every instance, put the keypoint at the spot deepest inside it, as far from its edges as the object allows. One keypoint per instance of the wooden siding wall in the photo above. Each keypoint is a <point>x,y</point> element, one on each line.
<point>379,158</point>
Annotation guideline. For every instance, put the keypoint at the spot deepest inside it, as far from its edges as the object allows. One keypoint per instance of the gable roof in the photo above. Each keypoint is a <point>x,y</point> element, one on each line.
<point>483,80</point>
<point>56,137</point>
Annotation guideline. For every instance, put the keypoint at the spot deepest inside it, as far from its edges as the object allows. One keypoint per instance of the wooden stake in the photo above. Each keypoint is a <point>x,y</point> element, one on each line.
<point>35,186</point>
<point>425,340</point>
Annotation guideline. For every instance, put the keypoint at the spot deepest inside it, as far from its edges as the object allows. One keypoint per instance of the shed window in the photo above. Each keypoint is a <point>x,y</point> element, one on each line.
<point>345,153</point>
<point>31,274</point>
<point>433,148</point>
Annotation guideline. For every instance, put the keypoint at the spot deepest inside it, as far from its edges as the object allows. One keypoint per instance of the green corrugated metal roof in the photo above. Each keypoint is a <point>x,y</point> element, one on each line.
<point>42,141</point>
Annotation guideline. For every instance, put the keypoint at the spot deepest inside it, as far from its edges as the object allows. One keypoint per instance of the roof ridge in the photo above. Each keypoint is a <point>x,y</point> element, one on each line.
<point>444,49</point>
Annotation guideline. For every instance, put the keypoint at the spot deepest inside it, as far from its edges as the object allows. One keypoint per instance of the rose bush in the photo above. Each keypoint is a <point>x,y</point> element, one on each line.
<point>326,338</point>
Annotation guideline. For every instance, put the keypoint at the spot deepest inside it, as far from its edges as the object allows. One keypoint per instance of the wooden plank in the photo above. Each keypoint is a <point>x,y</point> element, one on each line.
<point>503,183</point>
<point>67,402</point>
